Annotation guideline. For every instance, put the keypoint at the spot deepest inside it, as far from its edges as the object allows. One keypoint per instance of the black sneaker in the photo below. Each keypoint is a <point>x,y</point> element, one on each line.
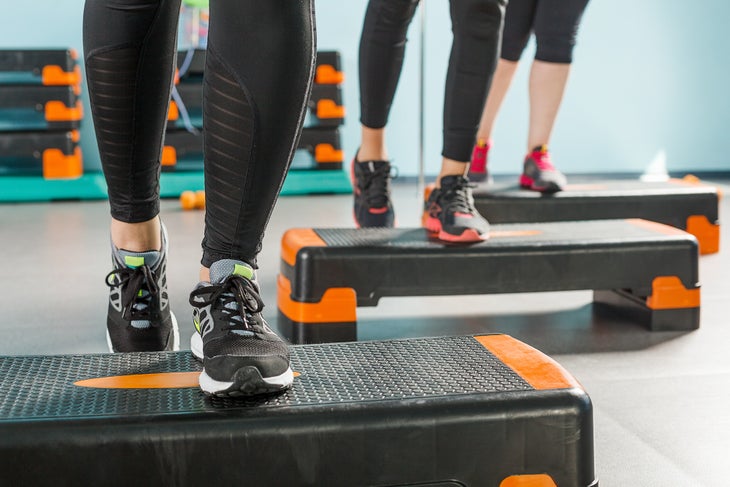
<point>139,317</point>
<point>371,188</point>
<point>241,355</point>
<point>449,212</point>
<point>539,174</point>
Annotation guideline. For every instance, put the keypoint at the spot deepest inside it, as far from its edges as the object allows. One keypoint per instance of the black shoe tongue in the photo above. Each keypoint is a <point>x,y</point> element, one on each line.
<point>451,181</point>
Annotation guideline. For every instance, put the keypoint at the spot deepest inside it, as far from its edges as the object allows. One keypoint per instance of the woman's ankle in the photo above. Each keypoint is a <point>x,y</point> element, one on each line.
<point>137,237</point>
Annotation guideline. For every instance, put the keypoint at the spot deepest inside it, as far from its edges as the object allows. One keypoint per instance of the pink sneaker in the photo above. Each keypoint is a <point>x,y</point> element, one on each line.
<point>539,174</point>
<point>478,169</point>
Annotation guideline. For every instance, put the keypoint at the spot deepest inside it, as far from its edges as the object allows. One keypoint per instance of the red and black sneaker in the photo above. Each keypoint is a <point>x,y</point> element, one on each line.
<point>371,188</point>
<point>539,174</point>
<point>478,171</point>
<point>450,215</point>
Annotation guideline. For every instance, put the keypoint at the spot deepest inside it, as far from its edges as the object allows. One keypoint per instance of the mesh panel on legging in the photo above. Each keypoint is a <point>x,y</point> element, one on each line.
<point>129,49</point>
<point>259,70</point>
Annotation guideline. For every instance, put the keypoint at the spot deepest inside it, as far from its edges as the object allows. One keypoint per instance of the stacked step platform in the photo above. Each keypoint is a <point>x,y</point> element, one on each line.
<point>40,116</point>
<point>318,161</point>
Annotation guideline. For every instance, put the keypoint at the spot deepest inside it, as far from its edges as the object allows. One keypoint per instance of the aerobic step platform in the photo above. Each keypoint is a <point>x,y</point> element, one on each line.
<point>476,411</point>
<point>53,155</point>
<point>686,204</point>
<point>48,67</point>
<point>325,105</point>
<point>39,108</point>
<point>644,268</point>
<point>318,149</point>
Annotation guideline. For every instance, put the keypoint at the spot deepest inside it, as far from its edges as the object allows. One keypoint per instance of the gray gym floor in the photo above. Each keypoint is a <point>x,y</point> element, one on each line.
<point>660,405</point>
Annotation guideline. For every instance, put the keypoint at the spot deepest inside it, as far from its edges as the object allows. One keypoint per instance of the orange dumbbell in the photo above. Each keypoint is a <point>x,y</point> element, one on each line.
<point>192,200</point>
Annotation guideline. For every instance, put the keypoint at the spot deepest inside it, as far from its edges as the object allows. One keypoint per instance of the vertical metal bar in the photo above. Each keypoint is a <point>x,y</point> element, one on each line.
<point>421,106</point>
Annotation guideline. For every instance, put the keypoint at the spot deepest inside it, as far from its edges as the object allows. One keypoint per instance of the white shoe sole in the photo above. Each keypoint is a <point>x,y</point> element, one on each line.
<point>247,380</point>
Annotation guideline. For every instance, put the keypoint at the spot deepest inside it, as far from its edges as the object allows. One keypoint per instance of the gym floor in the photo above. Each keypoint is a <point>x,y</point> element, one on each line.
<point>660,408</point>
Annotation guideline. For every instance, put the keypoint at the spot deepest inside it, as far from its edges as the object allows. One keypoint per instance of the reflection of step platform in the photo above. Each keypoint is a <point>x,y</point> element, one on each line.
<point>325,106</point>
<point>327,273</point>
<point>455,411</point>
<point>328,66</point>
<point>691,206</point>
<point>317,149</point>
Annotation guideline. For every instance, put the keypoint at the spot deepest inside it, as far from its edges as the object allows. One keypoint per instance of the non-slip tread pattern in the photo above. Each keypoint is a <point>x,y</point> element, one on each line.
<point>42,387</point>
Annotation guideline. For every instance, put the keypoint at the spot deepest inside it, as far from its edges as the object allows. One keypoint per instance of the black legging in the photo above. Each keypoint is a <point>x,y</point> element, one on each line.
<point>555,23</point>
<point>259,68</point>
<point>476,25</point>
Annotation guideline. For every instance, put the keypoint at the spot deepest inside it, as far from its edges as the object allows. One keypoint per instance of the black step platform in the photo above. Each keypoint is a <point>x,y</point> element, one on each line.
<point>325,105</point>
<point>328,66</point>
<point>39,108</point>
<point>53,155</point>
<point>321,147</point>
<point>634,266</point>
<point>456,411</point>
<point>49,67</point>
<point>686,204</point>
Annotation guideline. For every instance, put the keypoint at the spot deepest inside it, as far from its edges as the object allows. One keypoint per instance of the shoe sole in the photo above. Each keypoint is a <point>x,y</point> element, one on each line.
<point>477,177</point>
<point>247,381</point>
<point>528,183</point>
<point>433,225</point>
<point>175,337</point>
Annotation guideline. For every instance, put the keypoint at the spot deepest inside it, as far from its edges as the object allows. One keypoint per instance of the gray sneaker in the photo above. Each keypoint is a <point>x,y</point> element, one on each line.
<point>139,317</point>
<point>539,174</point>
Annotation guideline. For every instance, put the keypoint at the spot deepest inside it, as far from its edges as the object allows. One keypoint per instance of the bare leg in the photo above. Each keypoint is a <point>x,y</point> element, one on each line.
<point>503,76</point>
<point>547,85</point>
<point>450,167</point>
<point>137,237</point>
<point>372,145</point>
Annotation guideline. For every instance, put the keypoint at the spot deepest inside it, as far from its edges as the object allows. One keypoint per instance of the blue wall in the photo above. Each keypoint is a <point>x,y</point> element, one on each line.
<point>649,76</point>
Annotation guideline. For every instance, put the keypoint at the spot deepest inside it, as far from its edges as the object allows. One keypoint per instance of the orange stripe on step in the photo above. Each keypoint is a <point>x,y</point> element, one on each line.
<point>296,239</point>
<point>539,480</point>
<point>167,380</point>
<point>706,232</point>
<point>338,305</point>
<point>539,370</point>
<point>668,292</point>
<point>164,380</point>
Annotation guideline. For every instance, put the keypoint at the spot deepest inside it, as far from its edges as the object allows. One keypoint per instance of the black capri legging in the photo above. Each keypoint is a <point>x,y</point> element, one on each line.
<point>476,25</point>
<point>259,68</point>
<point>555,23</point>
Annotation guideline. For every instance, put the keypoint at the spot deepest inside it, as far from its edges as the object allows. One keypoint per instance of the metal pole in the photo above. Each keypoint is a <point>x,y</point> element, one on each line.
<point>421,106</point>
